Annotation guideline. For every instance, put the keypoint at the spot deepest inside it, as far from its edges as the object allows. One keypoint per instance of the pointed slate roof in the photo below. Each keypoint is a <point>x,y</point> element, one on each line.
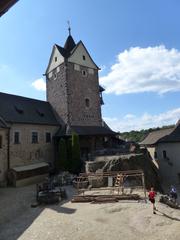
<point>174,136</point>
<point>5,5</point>
<point>62,51</point>
<point>85,131</point>
<point>69,44</point>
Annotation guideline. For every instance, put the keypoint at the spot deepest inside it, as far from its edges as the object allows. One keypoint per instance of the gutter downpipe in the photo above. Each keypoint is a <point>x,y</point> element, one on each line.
<point>8,149</point>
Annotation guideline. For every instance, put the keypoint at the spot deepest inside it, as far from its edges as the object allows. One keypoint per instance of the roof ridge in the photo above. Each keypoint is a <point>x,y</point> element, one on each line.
<point>13,95</point>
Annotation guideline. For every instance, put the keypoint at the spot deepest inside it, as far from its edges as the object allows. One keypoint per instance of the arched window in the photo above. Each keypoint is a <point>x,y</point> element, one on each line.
<point>84,73</point>
<point>164,154</point>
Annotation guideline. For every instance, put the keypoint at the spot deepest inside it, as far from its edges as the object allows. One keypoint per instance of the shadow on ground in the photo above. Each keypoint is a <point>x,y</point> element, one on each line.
<point>167,216</point>
<point>16,213</point>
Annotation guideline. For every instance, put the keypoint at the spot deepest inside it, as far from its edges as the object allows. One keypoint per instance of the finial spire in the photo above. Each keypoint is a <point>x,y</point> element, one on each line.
<point>69,28</point>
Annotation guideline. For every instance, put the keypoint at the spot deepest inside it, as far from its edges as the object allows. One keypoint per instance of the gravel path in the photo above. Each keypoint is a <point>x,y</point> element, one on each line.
<point>83,221</point>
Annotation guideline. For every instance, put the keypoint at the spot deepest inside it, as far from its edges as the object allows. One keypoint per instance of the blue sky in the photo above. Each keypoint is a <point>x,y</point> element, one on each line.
<point>135,42</point>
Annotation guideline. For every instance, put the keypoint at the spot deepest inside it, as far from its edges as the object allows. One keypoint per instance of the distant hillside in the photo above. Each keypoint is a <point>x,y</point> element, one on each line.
<point>138,136</point>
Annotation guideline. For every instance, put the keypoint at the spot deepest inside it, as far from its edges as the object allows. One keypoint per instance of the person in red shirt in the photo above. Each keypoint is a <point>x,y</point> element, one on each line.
<point>151,196</point>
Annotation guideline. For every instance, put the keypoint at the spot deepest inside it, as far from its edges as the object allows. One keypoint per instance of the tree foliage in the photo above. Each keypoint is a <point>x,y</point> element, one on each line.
<point>62,160</point>
<point>69,155</point>
<point>76,159</point>
<point>138,136</point>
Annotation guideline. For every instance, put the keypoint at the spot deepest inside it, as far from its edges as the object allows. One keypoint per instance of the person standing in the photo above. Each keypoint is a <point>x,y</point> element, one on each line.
<point>151,196</point>
<point>173,194</point>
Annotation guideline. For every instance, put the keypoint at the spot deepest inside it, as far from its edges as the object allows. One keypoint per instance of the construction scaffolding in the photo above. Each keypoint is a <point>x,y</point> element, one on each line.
<point>114,185</point>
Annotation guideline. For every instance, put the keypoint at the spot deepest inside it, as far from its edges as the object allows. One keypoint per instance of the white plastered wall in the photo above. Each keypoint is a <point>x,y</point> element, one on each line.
<point>53,64</point>
<point>3,155</point>
<point>170,167</point>
<point>77,57</point>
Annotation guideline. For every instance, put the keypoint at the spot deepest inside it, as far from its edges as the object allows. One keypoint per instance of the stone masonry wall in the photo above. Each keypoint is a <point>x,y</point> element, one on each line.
<point>79,88</point>
<point>27,152</point>
<point>57,91</point>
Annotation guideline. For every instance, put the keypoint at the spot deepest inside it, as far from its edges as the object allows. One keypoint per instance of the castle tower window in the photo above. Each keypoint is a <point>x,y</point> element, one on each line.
<point>16,137</point>
<point>84,58</point>
<point>87,102</point>
<point>34,137</point>
<point>55,59</point>
<point>0,141</point>
<point>84,73</point>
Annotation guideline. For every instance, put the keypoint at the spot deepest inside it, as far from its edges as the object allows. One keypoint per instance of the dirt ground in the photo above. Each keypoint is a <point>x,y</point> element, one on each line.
<point>129,220</point>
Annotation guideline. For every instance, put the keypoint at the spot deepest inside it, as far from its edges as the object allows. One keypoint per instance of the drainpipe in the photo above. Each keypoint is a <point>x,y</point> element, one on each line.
<point>8,149</point>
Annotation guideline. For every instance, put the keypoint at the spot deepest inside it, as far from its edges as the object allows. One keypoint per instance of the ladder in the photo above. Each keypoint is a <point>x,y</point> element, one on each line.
<point>119,182</point>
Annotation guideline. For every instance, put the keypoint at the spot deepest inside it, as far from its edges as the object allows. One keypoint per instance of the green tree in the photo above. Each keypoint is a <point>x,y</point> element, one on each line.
<point>62,161</point>
<point>76,159</point>
<point>69,153</point>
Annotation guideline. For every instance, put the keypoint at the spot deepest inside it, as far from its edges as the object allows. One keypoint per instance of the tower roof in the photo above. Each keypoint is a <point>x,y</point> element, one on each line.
<point>69,44</point>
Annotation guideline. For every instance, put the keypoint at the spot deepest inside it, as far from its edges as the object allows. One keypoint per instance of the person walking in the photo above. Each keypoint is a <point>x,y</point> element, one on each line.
<point>151,196</point>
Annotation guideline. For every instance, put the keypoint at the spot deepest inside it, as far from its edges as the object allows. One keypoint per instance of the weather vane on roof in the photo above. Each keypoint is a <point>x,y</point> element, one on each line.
<point>69,28</point>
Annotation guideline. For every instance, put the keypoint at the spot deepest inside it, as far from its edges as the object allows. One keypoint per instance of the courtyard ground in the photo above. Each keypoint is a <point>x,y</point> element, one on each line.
<point>130,220</point>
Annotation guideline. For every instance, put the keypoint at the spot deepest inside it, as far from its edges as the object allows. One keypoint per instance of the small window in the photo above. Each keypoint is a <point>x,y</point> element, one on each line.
<point>0,141</point>
<point>48,137</point>
<point>164,154</point>
<point>84,73</point>
<point>55,59</point>
<point>84,58</point>
<point>155,155</point>
<point>34,137</point>
<point>87,102</point>
<point>16,137</point>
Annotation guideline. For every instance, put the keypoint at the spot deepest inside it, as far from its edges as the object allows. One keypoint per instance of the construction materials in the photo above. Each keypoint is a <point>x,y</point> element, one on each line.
<point>104,198</point>
<point>120,180</point>
<point>169,201</point>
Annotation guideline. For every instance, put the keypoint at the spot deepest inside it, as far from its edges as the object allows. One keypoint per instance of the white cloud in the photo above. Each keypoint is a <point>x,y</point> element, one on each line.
<point>145,121</point>
<point>102,68</point>
<point>39,84</point>
<point>151,69</point>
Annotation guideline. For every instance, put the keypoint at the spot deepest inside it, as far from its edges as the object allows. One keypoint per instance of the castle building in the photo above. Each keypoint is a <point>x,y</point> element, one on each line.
<point>30,129</point>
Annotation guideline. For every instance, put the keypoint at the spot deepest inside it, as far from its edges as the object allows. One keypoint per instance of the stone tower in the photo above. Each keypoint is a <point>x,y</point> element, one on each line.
<point>73,85</point>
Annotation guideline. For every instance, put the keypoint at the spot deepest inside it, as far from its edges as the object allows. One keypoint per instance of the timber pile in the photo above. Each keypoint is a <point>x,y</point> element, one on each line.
<point>104,198</point>
<point>109,199</point>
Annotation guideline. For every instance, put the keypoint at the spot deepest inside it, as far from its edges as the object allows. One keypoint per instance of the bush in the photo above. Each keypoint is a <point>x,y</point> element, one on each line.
<point>76,159</point>
<point>61,162</point>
